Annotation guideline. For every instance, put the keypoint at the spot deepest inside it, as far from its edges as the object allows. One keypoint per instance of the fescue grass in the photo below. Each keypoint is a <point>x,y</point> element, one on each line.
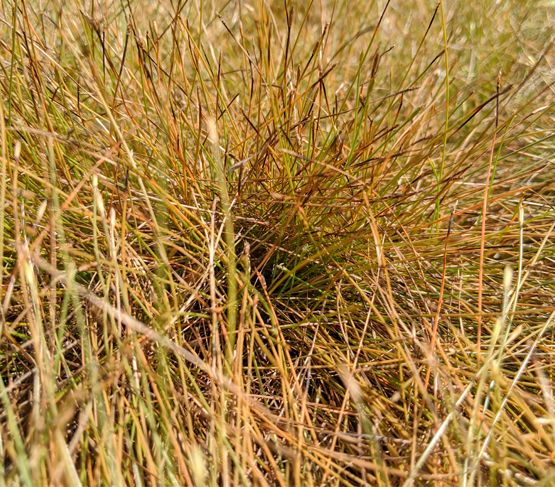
<point>277,243</point>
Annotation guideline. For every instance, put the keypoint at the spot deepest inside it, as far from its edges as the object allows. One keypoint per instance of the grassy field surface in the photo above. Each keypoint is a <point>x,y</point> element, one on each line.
<point>277,243</point>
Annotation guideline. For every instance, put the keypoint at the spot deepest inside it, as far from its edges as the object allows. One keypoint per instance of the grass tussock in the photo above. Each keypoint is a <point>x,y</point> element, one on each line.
<point>277,243</point>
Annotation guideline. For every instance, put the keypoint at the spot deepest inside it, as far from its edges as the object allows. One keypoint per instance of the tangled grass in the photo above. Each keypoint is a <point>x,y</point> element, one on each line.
<point>277,243</point>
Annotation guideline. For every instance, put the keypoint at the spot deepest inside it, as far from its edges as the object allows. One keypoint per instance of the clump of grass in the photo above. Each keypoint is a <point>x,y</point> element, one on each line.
<point>276,243</point>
